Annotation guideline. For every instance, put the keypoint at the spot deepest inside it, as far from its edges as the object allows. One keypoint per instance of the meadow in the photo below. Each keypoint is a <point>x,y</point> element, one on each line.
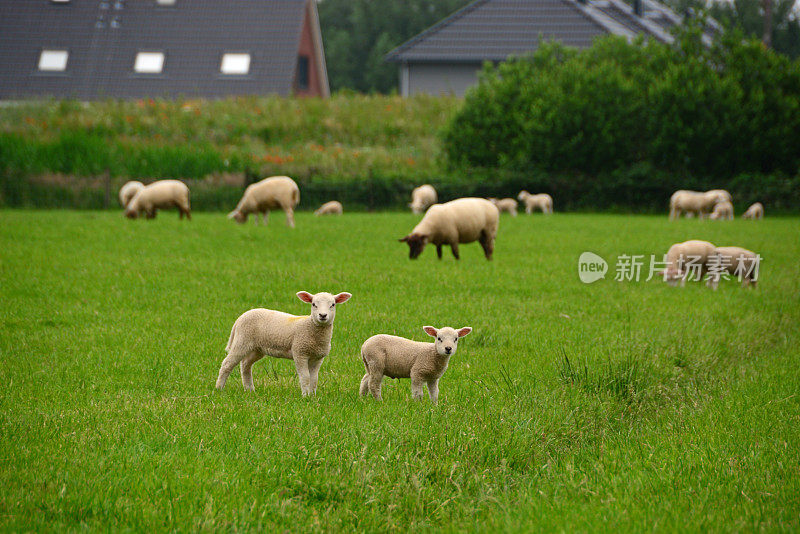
<point>571,407</point>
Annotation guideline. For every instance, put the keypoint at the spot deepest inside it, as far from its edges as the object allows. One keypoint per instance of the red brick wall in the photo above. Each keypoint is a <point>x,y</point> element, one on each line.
<point>307,49</point>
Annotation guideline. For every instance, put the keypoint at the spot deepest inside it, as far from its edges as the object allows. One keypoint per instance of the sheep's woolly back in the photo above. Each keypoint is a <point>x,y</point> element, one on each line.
<point>459,221</point>
<point>276,192</point>
<point>330,208</point>
<point>397,355</point>
<point>756,211</point>
<point>679,253</point>
<point>277,334</point>
<point>160,195</point>
<point>730,258</point>
<point>422,197</point>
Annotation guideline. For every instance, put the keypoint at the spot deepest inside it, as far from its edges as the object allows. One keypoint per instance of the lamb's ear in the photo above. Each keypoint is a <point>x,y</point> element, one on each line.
<point>403,239</point>
<point>342,297</point>
<point>431,331</point>
<point>464,331</point>
<point>305,296</point>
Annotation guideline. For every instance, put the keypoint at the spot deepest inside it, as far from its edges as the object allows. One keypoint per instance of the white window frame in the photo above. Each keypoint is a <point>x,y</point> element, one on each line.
<point>239,67</point>
<point>166,2</point>
<point>53,60</point>
<point>142,63</point>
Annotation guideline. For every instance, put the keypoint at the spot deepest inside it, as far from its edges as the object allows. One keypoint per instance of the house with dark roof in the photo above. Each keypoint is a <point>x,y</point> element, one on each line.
<point>92,49</point>
<point>446,58</point>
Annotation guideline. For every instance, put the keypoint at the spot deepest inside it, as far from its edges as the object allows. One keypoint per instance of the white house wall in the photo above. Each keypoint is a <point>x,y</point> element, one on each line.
<point>438,78</point>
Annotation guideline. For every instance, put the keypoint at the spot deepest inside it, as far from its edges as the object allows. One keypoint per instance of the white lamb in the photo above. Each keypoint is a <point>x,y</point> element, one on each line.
<point>276,192</point>
<point>701,204</point>
<point>163,194</point>
<point>756,211</point>
<point>737,261</point>
<point>508,205</point>
<point>304,339</point>
<point>128,191</point>
<point>422,198</point>
<point>723,210</point>
<point>398,357</point>
<point>459,221</point>
<point>686,259</point>
<point>330,208</point>
<point>542,201</point>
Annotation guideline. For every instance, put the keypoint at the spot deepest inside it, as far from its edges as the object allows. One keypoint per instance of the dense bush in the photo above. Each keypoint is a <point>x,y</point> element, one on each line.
<point>711,112</point>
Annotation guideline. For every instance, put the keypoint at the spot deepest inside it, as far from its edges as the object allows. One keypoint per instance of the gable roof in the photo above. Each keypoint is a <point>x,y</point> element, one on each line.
<point>493,30</point>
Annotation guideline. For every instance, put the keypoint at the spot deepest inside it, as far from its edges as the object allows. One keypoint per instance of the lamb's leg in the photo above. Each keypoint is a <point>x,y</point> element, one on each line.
<point>488,245</point>
<point>313,373</point>
<point>375,380</point>
<point>247,370</point>
<point>230,361</point>
<point>289,217</point>
<point>364,389</point>
<point>417,387</point>
<point>433,390</point>
<point>439,251</point>
<point>301,366</point>
<point>528,209</point>
<point>454,248</point>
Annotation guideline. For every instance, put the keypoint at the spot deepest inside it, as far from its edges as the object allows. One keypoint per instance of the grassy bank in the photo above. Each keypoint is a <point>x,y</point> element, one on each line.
<point>617,405</point>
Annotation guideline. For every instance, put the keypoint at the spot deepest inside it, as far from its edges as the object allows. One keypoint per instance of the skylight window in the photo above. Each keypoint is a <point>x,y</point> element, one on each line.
<point>235,64</point>
<point>149,62</point>
<point>53,60</point>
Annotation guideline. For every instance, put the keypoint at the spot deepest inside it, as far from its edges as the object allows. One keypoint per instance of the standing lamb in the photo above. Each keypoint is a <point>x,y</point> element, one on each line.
<point>508,205</point>
<point>685,202</point>
<point>276,192</point>
<point>398,357</point>
<point>736,261</point>
<point>685,259</point>
<point>163,194</point>
<point>756,211</point>
<point>542,201</point>
<point>128,191</point>
<point>422,198</point>
<point>459,221</point>
<point>306,340</point>
<point>723,210</point>
<point>330,208</point>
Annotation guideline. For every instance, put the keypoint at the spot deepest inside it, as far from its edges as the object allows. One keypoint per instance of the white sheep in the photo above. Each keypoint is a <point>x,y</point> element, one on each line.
<point>685,259</point>
<point>304,339</point>
<point>276,192</point>
<point>737,261</point>
<point>128,191</point>
<point>163,194</point>
<point>459,221</point>
<point>508,205</point>
<point>722,210</point>
<point>685,202</point>
<point>330,208</point>
<point>398,357</point>
<point>756,211</point>
<point>542,201</point>
<point>422,198</point>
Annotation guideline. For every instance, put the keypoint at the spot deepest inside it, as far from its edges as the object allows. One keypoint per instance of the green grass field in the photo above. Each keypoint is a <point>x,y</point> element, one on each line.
<point>611,406</point>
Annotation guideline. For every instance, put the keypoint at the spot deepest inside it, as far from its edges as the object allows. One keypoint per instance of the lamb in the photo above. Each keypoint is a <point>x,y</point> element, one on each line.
<point>276,192</point>
<point>508,205</point>
<point>723,210</point>
<point>542,201</point>
<point>459,221</point>
<point>422,198</point>
<point>330,208</point>
<point>685,259</point>
<point>162,194</point>
<point>685,202</point>
<point>756,211</point>
<point>398,357</point>
<point>128,191</point>
<point>306,340</point>
<point>736,261</point>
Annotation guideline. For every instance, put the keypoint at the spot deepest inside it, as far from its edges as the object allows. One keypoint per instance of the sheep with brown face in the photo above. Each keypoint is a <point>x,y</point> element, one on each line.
<point>459,221</point>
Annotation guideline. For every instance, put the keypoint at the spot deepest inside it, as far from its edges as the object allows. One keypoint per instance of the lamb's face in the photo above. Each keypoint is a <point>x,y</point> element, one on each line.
<point>522,195</point>
<point>238,216</point>
<point>131,214</point>
<point>323,305</point>
<point>416,244</point>
<point>446,338</point>
<point>672,275</point>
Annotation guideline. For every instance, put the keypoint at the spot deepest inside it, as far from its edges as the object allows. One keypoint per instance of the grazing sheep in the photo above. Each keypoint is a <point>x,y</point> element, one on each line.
<point>128,191</point>
<point>422,198</point>
<point>685,202</point>
<point>542,201</point>
<point>330,208</point>
<point>459,221</point>
<point>276,192</point>
<point>736,261</point>
<point>684,259</point>
<point>306,340</point>
<point>723,210</point>
<point>508,205</point>
<point>163,194</point>
<point>756,211</point>
<point>398,357</point>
